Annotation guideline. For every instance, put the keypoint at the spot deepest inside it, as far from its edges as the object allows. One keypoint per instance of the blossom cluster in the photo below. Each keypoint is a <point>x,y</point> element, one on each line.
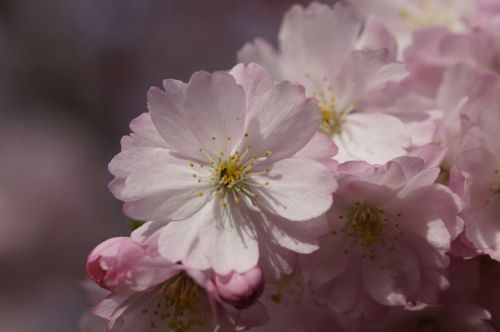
<point>348,180</point>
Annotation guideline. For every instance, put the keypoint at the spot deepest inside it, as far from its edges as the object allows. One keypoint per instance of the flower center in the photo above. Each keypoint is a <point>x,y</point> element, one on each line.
<point>333,114</point>
<point>366,223</point>
<point>290,289</point>
<point>331,121</point>
<point>430,14</point>
<point>494,189</point>
<point>227,177</point>
<point>444,174</point>
<point>181,305</point>
<point>368,227</point>
<point>230,173</point>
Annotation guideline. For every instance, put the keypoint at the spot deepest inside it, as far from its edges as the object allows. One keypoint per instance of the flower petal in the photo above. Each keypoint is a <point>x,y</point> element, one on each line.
<point>215,111</point>
<point>390,277</point>
<point>300,237</point>
<point>296,189</point>
<point>280,119</point>
<point>306,45</point>
<point>319,148</point>
<point>144,134</point>
<point>179,240</point>
<point>163,190</point>
<point>167,113</point>
<point>374,138</point>
<point>229,239</point>
<point>263,53</point>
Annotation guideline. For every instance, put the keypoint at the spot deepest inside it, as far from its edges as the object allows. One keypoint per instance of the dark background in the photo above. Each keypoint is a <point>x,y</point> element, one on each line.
<point>73,73</point>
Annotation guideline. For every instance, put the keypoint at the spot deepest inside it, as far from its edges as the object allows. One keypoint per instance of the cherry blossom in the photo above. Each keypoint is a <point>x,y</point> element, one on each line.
<point>212,166</point>
<point>404,17</point>
<point>339,77</point>
<point>390,229</point>
<point>479,164</point>
<point>161,295</point>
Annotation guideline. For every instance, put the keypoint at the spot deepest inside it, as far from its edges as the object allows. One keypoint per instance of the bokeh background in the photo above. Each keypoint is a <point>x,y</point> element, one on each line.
<point>73,73</point>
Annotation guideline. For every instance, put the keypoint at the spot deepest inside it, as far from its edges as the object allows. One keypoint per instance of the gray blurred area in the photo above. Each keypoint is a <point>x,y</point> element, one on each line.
<point>73,73</point>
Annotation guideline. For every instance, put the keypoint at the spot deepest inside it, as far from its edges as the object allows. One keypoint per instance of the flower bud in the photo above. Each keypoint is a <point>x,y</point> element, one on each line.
<point>240,289</point>
<point>109,263</point>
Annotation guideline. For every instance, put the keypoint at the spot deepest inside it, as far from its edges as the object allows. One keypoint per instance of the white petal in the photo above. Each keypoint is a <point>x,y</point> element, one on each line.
<point>166,108</point>
<point>164,190</point>
<point>179,240</point>
<point>374,138</point>
<point>229,239</point>
<point>301,237</point>
<point>296,189</point>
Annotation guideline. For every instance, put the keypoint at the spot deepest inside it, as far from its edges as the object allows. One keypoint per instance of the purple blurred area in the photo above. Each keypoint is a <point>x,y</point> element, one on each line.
<point>73,73</point>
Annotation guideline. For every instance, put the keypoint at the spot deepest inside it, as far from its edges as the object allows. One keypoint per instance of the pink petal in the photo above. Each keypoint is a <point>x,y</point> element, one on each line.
<point>281,132</point>
<point>431,154</point>
<point>167,112</point>
<point>375,36</point>
<point>392,276</point>
<point>328,263</point>
<point>144,134</point>
<point>215,111</point>
<point>483,231</point>
<point>304,42</point>
<point>319,148</point>
<point>263,53</point>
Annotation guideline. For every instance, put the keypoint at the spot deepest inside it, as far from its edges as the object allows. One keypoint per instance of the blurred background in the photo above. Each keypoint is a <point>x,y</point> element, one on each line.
<point>73,73</point>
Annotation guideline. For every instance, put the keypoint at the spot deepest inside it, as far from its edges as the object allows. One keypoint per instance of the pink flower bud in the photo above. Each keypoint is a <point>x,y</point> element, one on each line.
<point>240,289</point>
<point>109,263</point>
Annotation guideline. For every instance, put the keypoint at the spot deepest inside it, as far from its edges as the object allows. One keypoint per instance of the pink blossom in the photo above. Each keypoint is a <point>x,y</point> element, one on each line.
<point>479,164</point>
<point>319,49</point>
<point>404,17</point>
<point>240,289</point>
<point>185,302</point>
<point>460,307</point>
<point>487,18</point>
<point>213,166</point>
<point>464,91</point>
<point>460,90</point>
<point>123,266</point>
<point>435,50</point>
<point>102,264</point>
<point>390,229</point>
<point>165,295</point>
